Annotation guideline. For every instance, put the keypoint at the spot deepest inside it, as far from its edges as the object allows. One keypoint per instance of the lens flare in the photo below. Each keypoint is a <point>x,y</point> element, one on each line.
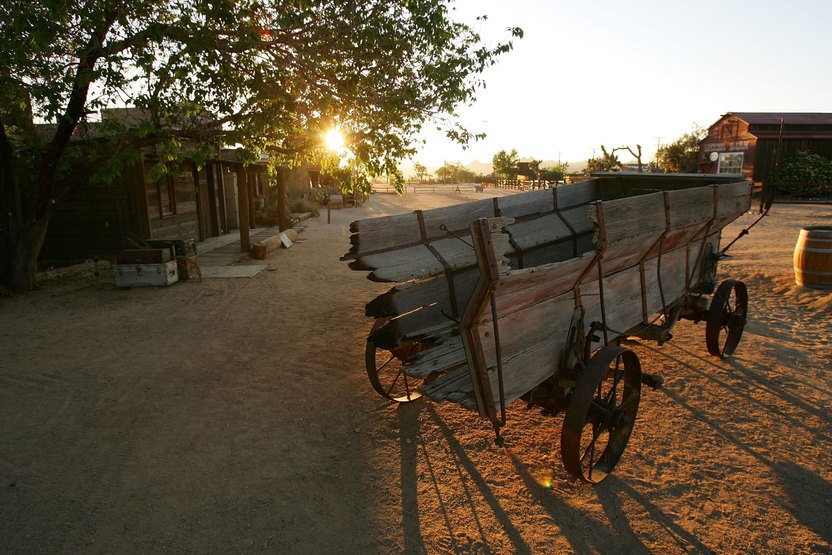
<point>334,140</point>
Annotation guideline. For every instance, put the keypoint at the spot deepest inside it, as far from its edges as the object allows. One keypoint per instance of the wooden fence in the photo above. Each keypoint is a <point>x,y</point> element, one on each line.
<point>525,184</point>
<point>432,188</point>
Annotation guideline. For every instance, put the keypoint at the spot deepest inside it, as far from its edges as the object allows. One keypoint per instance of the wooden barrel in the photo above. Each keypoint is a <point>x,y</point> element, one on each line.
<point>813,257</point>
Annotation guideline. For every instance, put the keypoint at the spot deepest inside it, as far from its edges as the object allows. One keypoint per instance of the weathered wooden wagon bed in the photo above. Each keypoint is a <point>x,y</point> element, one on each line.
<point>529,296</point>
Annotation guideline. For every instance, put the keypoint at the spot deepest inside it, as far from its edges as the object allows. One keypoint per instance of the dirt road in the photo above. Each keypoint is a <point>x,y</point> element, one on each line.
<point>234,415</point>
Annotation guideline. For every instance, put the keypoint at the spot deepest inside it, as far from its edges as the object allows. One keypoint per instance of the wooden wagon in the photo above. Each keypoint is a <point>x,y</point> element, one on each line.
<point>529,296</point>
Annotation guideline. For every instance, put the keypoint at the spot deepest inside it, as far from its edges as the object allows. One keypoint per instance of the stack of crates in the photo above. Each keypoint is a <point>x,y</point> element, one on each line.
<point>184,252</point>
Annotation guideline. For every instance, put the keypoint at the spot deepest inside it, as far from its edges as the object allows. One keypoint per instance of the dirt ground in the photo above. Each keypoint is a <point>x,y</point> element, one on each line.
<point>234,415</point>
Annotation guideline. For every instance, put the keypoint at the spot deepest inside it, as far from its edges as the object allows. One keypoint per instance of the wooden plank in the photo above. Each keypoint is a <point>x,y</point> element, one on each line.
<point>418,261</point>
<point>453,382</point>
<point>445,358</point>
<point>732,199</point>
<point>387,232</point>
<point>551,227</point>
<point>532,334</point>
<point>633,218</point>
<point>405,298</point>
<point>532,339</point>
<point>690,206</point>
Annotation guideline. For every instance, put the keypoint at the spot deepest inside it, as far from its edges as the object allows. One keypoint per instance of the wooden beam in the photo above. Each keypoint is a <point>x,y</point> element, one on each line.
<point>471,340</point>
<point>243,208</point>
<point>251,177</point>
<point>212,200</point>
<point>283,221</point>
<point>200,203</point>
<point>221,195</point>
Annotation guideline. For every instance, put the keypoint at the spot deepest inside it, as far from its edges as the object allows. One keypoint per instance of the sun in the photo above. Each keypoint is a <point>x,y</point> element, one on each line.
<point>334,140</point>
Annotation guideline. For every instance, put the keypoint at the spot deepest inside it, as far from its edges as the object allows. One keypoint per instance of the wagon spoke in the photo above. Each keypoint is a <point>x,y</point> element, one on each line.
<point>597,430</point>
<point>385,368</point>
<point>626,401</point>
<point>389,360</point>
<point>395,380</point>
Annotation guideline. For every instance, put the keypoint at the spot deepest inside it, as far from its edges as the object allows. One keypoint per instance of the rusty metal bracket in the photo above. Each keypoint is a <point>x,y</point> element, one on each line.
<point>572,232</point>
<point>449,278</point>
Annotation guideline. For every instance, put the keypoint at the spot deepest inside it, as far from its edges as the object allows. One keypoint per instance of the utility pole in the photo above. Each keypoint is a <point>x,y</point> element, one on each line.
<point>658,147</point>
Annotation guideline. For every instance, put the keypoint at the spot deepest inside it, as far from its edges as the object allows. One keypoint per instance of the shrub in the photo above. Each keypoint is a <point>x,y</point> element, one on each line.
<point>806,172</point>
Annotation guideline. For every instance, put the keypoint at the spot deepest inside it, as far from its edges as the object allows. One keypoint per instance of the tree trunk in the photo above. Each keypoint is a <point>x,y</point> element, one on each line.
<point>20,270</point>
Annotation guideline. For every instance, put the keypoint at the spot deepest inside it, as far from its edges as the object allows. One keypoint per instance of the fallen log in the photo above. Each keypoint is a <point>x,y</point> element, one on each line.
<point>261,248</point>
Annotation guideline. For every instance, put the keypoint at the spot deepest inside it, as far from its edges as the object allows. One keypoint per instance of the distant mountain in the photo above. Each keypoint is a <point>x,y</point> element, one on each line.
<point>483,168</point>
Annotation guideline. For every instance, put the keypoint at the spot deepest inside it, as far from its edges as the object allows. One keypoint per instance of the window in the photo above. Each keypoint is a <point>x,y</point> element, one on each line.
<point>730,162</point>
<point>167,196</point>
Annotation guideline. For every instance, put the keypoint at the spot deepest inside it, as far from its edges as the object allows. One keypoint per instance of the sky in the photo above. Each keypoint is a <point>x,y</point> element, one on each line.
<point>592,72</point>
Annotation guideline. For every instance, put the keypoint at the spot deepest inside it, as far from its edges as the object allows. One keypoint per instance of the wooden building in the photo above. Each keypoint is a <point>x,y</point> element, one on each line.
<point>754,144</point>
<point>99,219</point>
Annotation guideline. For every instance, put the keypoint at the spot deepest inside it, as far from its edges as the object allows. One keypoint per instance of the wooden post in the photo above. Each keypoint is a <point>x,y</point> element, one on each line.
<point>212,200</point>
<point>283,222</point>
<point>243,205</point>
<point>221,194</point>
<point>251,179</point>
<point>200,203</point>
<point>487,264</point>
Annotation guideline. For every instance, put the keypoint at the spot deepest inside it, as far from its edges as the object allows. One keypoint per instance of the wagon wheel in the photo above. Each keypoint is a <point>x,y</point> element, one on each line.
<point>726,318</point>
<point>601,413</point>
<point>384,368</point>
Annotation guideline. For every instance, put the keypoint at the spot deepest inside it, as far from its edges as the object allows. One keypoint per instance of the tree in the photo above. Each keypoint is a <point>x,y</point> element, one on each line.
<point>635,154</point>
<point>606,163</point>
<point>271,75</point>
<point>682,155</point>
<point>447,173</point>
<point>557,172</point>
<point>452,172</point>
<point>505,163</point>
<point>421,171</point>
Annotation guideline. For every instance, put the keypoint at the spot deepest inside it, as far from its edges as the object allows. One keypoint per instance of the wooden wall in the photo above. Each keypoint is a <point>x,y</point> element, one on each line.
<point>760,144</point>
<point>730,134</point>
<point>97,219</point>
<point>93,220</point>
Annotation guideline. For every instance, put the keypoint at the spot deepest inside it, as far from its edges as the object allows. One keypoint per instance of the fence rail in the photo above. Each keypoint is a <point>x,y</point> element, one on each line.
<point>525,184</point>
<point>431,188</point>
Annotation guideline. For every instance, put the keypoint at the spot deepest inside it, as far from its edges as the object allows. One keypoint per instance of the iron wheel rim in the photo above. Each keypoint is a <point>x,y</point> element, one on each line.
<point>726,319</point>
<point>601,414</point>
<point>385,369</point>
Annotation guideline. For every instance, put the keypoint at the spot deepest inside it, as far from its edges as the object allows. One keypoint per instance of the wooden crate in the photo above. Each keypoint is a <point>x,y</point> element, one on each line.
<point>187,267</point>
